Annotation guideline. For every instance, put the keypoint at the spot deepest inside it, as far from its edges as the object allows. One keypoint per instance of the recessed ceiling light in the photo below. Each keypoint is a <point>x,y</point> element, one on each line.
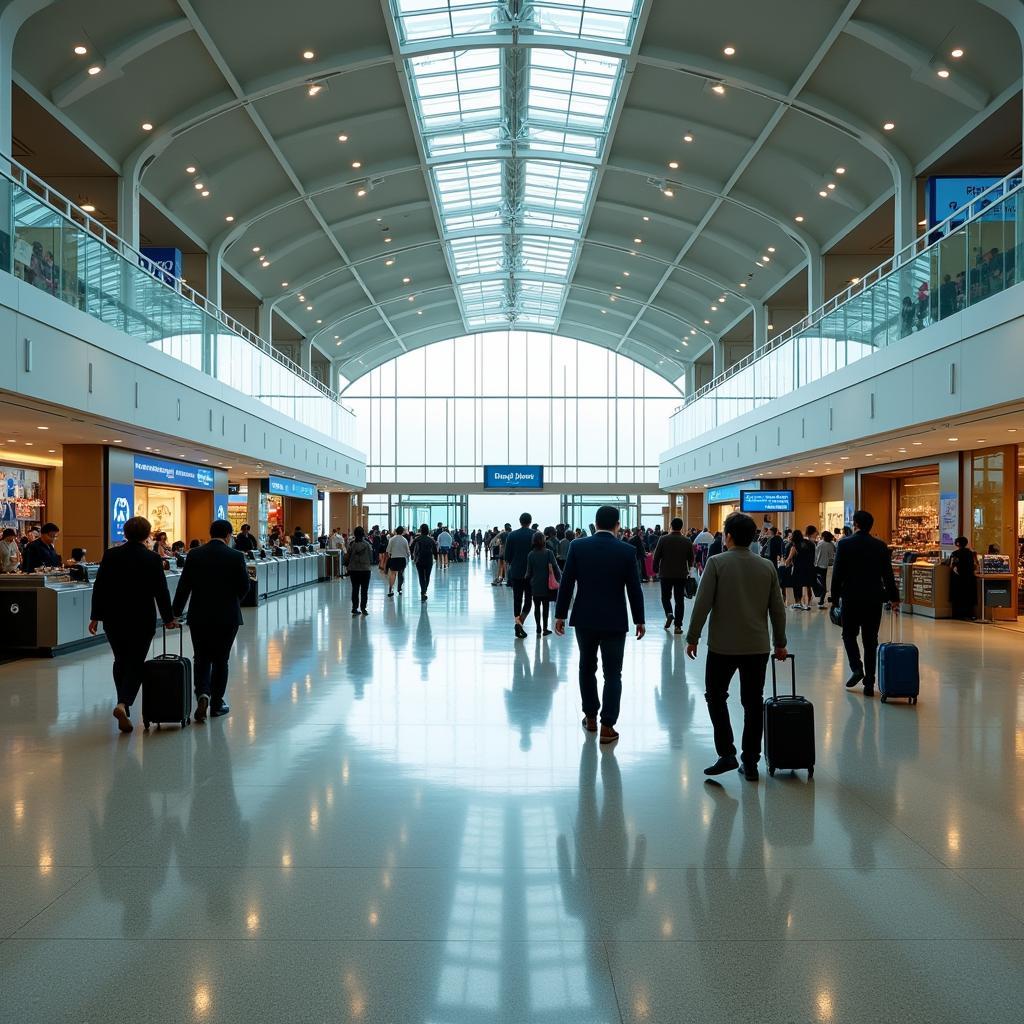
<point>95,69</point>
<point>42,428</point>
<point>902,451</point>
<point>646,218</point>
<point>707,322</point>
<point>81,49</point>
<point>888,126</point>
<point>412,298</point>
<point>419,312</point>
<point>743,284</point>
<point>308,55</point>
<point>387,240</point>
<point>604,312</point>
<point>721,298</point>
<point>693,330</point>
<point>313,88</point>
<point>823,194</point>
<point>343,137</point>
<point>638,241</point>
<point>799,218</point>
<point>119,442</point>
<point>319,321</point>
<point>284,284</point>
<point>668,192</point>
<point>674,164</point>
<point>88,207</point>
<point>1011,430</point>
<point>943,72</point>
<point>831,186</point>
<point>309,309</point>
<point>199,186</point>
<point>955,54</point>
<point>361,193</point>
<point>29,444</point>
<point>844,458</point>
<point>389,263</point>
<point>687,137</point>
<point>919,442</point>
<point>869,455</point>
<point>302,298</point>
<point>854,280</point>
<point>719,88</point>
<point>840,170</point>
<point>337,343</point>
<point>205,193</point>
<point>229,218</point>
<point>147,126</point>
<point>52,451</point>
<point>625,273</point>
<point>356,164</point>
<point>981,440</point>
<point>729,51</point>
<point>952,438</point>
<point>406,280</point>
<point>255,248</point>
<point>264,263</point>
<point>190,169</point>
<point>771,327</point>
<point>767,259</point>
<point>771,248</point>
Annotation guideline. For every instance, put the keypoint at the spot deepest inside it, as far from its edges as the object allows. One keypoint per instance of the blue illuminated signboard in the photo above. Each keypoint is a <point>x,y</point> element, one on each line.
<point>947,194</point>
<point>122,503</point>
<point>177,474</point>
<point>513,478</point>
<point>766,501</point>
<point>220,506</point>
<point>164,263</point>
<point>730,492</point>
<point>286,488</point>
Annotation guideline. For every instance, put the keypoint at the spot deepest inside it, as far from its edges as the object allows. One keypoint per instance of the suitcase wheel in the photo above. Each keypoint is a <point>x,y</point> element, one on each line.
<point>184,722</point>
<point>145,725</point>
<point>884,699</point>
<point>810,773</point>
<point>771,771</point>
<point>913,700</point>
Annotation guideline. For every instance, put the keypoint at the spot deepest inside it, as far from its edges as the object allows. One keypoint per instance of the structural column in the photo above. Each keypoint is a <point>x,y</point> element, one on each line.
<point>718,354</point>
<point>691,379</point>
<point>266,321</point>
<point>815,282</point>
<point>306,354</point>
<point>760,326</point>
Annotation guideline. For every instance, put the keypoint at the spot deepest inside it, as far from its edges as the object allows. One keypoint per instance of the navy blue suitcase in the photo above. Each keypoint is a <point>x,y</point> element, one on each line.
<point>899,673</point>
<point>788,729</point>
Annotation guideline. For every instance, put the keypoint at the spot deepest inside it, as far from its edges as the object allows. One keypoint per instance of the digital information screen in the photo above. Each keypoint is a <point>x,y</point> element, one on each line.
<point>766,501</point>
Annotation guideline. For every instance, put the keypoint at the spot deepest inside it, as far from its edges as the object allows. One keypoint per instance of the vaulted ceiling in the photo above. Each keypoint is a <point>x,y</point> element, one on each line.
<point>390,173</point>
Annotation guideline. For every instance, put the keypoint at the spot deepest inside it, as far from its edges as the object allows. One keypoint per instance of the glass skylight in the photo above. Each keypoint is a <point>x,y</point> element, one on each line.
<point>612,21</point>
<point>540,299</point>
<point>571,90</point>
<point>478,255</point>
<point>556,194</point>
<point>549,256</point>
<point>441,19</point>
<point>457,89</point>
<point>470,194</point>
<point>484,301</point>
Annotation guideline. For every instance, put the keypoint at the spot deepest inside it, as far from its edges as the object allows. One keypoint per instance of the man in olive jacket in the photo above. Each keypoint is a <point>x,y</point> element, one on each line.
<point>740,591</point>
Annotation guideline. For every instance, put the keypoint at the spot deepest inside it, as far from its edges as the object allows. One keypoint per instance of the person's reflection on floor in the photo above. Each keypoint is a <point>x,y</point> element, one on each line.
<point>858,761</point>
<point>216,835</point>
<point>673,700</point>
<point>425,649</point>
<point>130,798</point>
<point>359,662</point>
<point>396,624</point>
<point>529,702</point>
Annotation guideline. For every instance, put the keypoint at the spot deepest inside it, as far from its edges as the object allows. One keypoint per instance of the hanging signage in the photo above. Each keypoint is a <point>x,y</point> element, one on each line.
<point>949,518</point>
<point>164,263</point>
<point>766,501</point>
<point>176,474</point>
<point>220,506</point>
<point>731,492</point>
<point>513,478</point>
<point>286,488</point>
<point>947,194</point>
<point>122,501</point>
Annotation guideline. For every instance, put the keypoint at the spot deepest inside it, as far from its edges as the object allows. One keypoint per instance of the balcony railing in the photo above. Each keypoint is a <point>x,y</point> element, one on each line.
<point>54,245</point>
<point>973,254</point>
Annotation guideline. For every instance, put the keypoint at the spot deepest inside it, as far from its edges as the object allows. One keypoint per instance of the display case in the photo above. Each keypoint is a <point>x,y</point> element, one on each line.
<point>927,588</point>
<point>995,589</point>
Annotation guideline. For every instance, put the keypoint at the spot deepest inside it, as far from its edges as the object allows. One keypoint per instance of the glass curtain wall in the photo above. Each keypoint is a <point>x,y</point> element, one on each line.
<point>440,414</point>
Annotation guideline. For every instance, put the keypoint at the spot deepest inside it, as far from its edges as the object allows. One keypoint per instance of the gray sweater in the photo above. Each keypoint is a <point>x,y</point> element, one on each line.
<point>740,591</point>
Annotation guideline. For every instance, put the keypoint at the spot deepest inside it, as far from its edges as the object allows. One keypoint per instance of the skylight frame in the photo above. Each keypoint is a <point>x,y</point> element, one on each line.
<point>456,89</point>
<point>601,21</point>
<point>470,193</point>
<point>424,20</point>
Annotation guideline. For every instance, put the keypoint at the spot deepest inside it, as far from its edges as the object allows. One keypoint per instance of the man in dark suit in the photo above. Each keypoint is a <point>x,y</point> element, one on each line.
<point>129,589</point>
<point>603,571</point>
<point>517,550</point>
<point>213,583</point>
<point>862,577</point>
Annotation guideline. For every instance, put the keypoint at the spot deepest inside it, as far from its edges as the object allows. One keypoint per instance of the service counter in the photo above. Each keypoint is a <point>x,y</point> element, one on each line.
<point>927,589</point>
<point>275,574</point>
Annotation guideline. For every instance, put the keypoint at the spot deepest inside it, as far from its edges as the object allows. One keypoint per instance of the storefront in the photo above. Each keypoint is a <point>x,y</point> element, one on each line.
<point>290,504</point>
<point>23,500</point>
<point>721,502</point>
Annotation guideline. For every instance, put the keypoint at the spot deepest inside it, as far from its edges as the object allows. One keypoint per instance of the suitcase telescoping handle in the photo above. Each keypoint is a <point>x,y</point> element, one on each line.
<point>791,658</point>
<point>181,639</point>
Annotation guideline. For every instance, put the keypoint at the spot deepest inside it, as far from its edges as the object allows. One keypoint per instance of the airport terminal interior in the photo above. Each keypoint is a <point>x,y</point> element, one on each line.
<point>331,271</point>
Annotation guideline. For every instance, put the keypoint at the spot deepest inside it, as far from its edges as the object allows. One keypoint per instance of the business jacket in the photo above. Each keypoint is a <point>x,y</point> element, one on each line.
<point>213,584</point>
<point>517,549</point>
<point>603,571</point>
<point>673,556</point>
<point>39,554</point>
<point>130,588</point>
<point>862,572</point>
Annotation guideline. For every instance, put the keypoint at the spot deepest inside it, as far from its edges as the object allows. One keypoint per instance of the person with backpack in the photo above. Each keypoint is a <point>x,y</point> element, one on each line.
<point>359,562</point>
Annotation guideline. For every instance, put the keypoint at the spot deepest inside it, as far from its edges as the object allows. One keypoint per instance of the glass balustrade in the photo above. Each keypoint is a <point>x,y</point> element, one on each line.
<point>57,248</point>
<point>959,263</point>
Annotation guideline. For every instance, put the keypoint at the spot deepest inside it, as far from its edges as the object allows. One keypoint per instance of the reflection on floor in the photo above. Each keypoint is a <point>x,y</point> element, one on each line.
<point>402,821</point>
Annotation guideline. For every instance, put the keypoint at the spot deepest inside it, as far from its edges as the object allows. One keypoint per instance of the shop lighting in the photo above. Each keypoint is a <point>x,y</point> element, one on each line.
<point>957,53</point>
<point>81,50</point>
<point>729,51</point>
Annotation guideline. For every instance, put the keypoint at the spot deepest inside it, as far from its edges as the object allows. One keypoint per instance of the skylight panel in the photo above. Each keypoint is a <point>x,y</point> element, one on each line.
<point>540,298</point>
<point>549,256</point>
<point>479,255</point>
<point>564,142</point>
<point>476,140</point>
<point>612,21</point>
<point>456,90</point>
<point>441,19</point>
<point>467,189</point>
<point>556,194</point>
<point>571,90</point>
<point>483,299</point>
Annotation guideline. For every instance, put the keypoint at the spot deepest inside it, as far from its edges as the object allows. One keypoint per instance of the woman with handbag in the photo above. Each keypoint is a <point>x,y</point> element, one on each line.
<point>542,572</point>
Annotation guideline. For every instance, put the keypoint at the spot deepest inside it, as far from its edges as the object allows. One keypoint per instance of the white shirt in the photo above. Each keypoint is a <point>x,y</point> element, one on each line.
<point>704,537</point>
<point>444,539</point>
<point>398,547</point>
<point>337,542</point>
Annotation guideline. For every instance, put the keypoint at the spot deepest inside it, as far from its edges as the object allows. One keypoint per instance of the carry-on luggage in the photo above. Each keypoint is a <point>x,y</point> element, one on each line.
<point>899,672</point>
<point>167,687</point>
<point>649,566</point>
<point>788,729</point>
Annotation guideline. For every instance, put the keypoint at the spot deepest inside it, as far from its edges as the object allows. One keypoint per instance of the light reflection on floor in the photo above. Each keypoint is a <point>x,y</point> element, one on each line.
<point>401,820</point>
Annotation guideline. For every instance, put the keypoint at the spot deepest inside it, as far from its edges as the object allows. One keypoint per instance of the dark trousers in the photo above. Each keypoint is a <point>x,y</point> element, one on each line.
<point>130,646</point>
<point>424,569</point>
<point>360,579</point>
<point>541,604</point>
<point>612,647</point>
<point>718,672</point>
<point>522,596</point>
<point>820,580</point>
<point>862,620</point>
<point>673,590</point>
<point>211,647</point>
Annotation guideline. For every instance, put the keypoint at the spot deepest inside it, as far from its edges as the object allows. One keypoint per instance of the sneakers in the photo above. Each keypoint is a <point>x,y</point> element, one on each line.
<point>520,632</point>
<point>723,765</point>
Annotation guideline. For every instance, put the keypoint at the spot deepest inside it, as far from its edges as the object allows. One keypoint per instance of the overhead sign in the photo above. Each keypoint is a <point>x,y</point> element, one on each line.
<point>947,194</point>
<point>122,501</point>
<point>730,492</point>
<point>220,506</point>
<point>286,488</point>
<point>766,501</point>
<point>164,263</point>
<point>513,478</point>
<point>176,474</point>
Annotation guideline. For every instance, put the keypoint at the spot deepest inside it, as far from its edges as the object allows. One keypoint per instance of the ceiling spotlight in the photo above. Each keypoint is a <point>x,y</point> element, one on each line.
<point>719,88</point>
<point>147,126</point>
<point>386,240</point>
<point>854,280</point>
<point>955,54</point>
<point>919,442</point>
<point>668,192</point>
<point>356,164</point>
<point>361,192</point>
<point>687,137</point>
<point>313,88</point>
<point>943,73</point>
<point>674,164</point>
<point>319,321</point>
<point>337,343</point>
<point>952,438</point>
<point>81,50</point>
<point>309,309</point>
<point>205,193</point>
<point>693,330</point>
<point>771,327</point>
<point>191,169</point>
<point>264,263</point>
<point>229,218</point>
<point>707,322</point>
<point>302,298</point>
<point>743,284</point>
<point>888,126</point>
<point>308,55</point>
<point>840,170</point>
<point>729,51</point>
<point>618,287</point>
<point>389,263</point>
<point>343,137</point>
<point>823,194</point>
<point>646,218</point>
<point>721,298</point>
<point>95,69</point>
<point>284,284</point>
<point>799,218</point>
<point>88,207</point>
<point>638,241</point>
<point>199,186</point>
<point>625,273</point>
<point>714,309</point>
<point>412,298</point>
<point>255,248</point>
<point>831,186</point>
<point>406,280</point>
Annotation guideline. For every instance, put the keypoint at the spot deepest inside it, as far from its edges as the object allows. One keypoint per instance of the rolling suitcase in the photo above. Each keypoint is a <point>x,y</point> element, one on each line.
<point>167,687</point>
<point>899,672</point>
<point>788,729</point>
<point>649,566</point>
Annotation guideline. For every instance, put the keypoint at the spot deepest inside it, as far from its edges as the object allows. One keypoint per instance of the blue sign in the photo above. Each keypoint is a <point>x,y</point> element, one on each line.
<point>177,474</point>
<point>946,195</point>
<point>766,501</point>
<point>513,478</point>
<point>166,263</point>
<point>122,502</point>
<point>291,488</point>
<point>730,492</point>
<point>220,506</point>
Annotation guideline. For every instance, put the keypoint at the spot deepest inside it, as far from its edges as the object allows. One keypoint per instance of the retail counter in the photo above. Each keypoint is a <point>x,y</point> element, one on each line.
<point>277,573</point>
<point>927,590</point>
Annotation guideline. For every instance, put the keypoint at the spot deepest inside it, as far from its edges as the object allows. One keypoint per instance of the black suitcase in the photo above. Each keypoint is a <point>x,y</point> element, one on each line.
<point>167,687</point>
<point>788,729</point>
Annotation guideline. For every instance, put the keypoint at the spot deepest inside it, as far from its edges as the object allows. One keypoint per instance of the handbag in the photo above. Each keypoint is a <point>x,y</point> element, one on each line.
<point>552,582</point>
<point>690,585</point>
<point>835,614</point>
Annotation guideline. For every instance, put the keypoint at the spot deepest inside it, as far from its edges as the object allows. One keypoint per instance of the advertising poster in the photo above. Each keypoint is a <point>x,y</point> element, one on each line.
<point>948,519</point>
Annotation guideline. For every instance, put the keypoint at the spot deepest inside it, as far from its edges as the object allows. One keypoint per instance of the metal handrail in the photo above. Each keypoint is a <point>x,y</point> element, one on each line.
<point>43,192</point>
<point>1006,186</point>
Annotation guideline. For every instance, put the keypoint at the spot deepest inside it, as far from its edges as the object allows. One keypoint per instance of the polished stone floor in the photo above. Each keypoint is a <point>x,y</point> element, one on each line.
<point>402,821</point>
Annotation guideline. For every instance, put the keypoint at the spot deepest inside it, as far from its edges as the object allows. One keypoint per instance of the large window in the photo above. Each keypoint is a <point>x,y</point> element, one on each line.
<point>440,414</point>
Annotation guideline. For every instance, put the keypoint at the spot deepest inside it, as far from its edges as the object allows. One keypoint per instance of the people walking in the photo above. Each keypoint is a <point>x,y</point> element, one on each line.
<point>398,558</point>
<point>673,559</point>
<point>542,571</point>
<point>498,554</point>
<point>862,578</point>
<point>601,571</point>
<point>424,551</point>
<point>129,591</point>
<point>824,558</point>
<point>444,547</point>
<point>212,586</point>
<point>359,560</point>
<point>517,550</point>
<point>563,548</point>
<point>740,593</point>
<point>800,562</point>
